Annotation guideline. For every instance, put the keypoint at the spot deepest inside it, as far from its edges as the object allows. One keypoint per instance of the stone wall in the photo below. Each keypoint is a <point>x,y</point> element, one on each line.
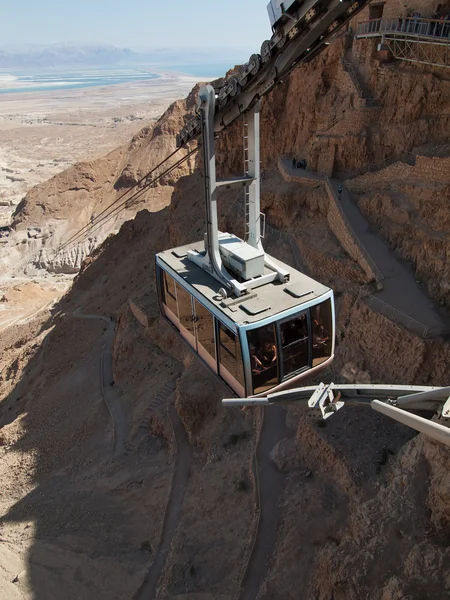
<point>325,163</point>
<point>400,8</point>
<point>353,121</point>
<point>338,224</point>
<point>305,181</point>
<point>138,314</point>
<point>434,170</point>
<point>427,170</point>
<point>347,85</point>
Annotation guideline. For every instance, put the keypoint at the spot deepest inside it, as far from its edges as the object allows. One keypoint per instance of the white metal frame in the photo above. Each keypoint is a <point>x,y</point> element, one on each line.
<point>211,260</point>
<point>393,401</point>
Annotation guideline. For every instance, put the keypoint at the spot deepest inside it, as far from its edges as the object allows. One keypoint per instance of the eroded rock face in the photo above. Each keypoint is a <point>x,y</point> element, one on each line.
<point>67,261</point>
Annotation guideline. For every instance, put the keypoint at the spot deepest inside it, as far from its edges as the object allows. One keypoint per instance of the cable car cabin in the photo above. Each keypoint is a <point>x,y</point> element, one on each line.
<point>258,343</point>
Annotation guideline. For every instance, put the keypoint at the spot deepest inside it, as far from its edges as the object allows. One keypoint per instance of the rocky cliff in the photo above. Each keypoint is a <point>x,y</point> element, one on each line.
<point>108,476</point>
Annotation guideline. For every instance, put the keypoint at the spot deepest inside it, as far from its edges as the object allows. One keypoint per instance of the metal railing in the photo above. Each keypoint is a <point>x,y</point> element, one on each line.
<point>399,317</point>
<point>404,25</point>
<point>409,26</point>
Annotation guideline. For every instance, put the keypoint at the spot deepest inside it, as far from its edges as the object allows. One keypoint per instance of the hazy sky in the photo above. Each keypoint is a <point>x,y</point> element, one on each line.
<point>133,23</point>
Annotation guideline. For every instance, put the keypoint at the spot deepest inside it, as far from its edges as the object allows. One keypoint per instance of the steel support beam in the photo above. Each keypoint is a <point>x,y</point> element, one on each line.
<point>420,51</point>
<point>254,171</point>
<point>391,400</point>
<point>437,432</point>
<point>211,260</point>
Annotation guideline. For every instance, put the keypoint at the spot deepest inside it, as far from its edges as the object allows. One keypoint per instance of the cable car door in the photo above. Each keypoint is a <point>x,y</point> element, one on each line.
<point>295,346</point>
<point>186,316</point>
<point>204,335</point>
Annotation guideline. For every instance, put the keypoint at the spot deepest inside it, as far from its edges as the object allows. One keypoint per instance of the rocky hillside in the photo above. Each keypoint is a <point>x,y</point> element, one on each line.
<point>134,482</point>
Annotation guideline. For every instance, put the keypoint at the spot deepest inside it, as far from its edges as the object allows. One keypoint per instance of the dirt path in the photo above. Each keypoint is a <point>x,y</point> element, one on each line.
<point>110,395</point>
<point>183,458</point>
<point>271,482</point>
<point>400,289</point>
<point>180,479</point>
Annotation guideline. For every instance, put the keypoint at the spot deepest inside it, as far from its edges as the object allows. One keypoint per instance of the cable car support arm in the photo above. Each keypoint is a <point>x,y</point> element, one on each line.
<point>211,259</point>
<point>394,401</point>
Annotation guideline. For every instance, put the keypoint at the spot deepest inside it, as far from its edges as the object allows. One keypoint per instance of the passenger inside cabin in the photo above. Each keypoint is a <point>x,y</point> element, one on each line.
<point>264,356</point>
<point>320,337</point>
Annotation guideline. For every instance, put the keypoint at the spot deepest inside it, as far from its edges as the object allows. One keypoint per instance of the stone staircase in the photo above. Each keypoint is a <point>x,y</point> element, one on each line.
<point>161,399</point>
<point>351,67</point>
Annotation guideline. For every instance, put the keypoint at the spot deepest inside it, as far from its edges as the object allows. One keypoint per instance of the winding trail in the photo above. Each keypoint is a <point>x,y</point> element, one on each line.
<point>110,395</point>
<point>271,483</point>
<point>180,480</point>
<point>183,455</point>
<point>400,288</point>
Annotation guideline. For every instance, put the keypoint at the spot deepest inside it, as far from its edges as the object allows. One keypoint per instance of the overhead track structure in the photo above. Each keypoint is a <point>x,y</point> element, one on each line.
<point>302,31</point>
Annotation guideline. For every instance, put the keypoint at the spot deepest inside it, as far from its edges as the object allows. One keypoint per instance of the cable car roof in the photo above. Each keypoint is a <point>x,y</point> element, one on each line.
<point>261,303</point>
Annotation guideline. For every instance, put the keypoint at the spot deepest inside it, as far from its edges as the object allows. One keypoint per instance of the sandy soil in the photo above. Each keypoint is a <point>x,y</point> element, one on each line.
<point>45,132</point>
<point>23,299</point>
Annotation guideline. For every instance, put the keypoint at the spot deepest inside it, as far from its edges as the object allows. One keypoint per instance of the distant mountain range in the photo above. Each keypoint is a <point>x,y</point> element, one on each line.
<point>75,55</point>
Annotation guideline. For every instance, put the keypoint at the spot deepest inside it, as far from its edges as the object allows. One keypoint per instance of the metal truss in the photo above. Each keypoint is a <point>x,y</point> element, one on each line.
<point>420,51</point>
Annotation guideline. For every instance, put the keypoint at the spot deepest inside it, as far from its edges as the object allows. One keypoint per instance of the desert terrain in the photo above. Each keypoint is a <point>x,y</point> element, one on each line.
<point>44,133</point>
<point>122,474</point>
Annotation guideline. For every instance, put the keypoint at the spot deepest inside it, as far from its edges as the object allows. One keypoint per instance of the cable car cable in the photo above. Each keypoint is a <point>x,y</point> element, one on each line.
<point>124,204</point>
<point>69,241</point>
<point>116,211</point>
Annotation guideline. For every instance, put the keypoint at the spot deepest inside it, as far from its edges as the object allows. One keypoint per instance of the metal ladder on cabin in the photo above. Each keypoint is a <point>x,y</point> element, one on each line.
<point>246,190</point>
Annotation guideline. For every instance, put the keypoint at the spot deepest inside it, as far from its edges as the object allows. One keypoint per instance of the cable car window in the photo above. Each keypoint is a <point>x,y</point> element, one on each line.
<point>295,346</point>
<point>230,355</point>
<point>169,293</point>
<point>321,325</point>
<point>263,357</point>
<point>185,314</point>
<point>204,327</point>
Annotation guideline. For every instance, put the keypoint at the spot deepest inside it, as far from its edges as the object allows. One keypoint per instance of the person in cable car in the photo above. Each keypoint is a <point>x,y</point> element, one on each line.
<point>320,337</point>
<point>266,355</point>
<point>264,359</point>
